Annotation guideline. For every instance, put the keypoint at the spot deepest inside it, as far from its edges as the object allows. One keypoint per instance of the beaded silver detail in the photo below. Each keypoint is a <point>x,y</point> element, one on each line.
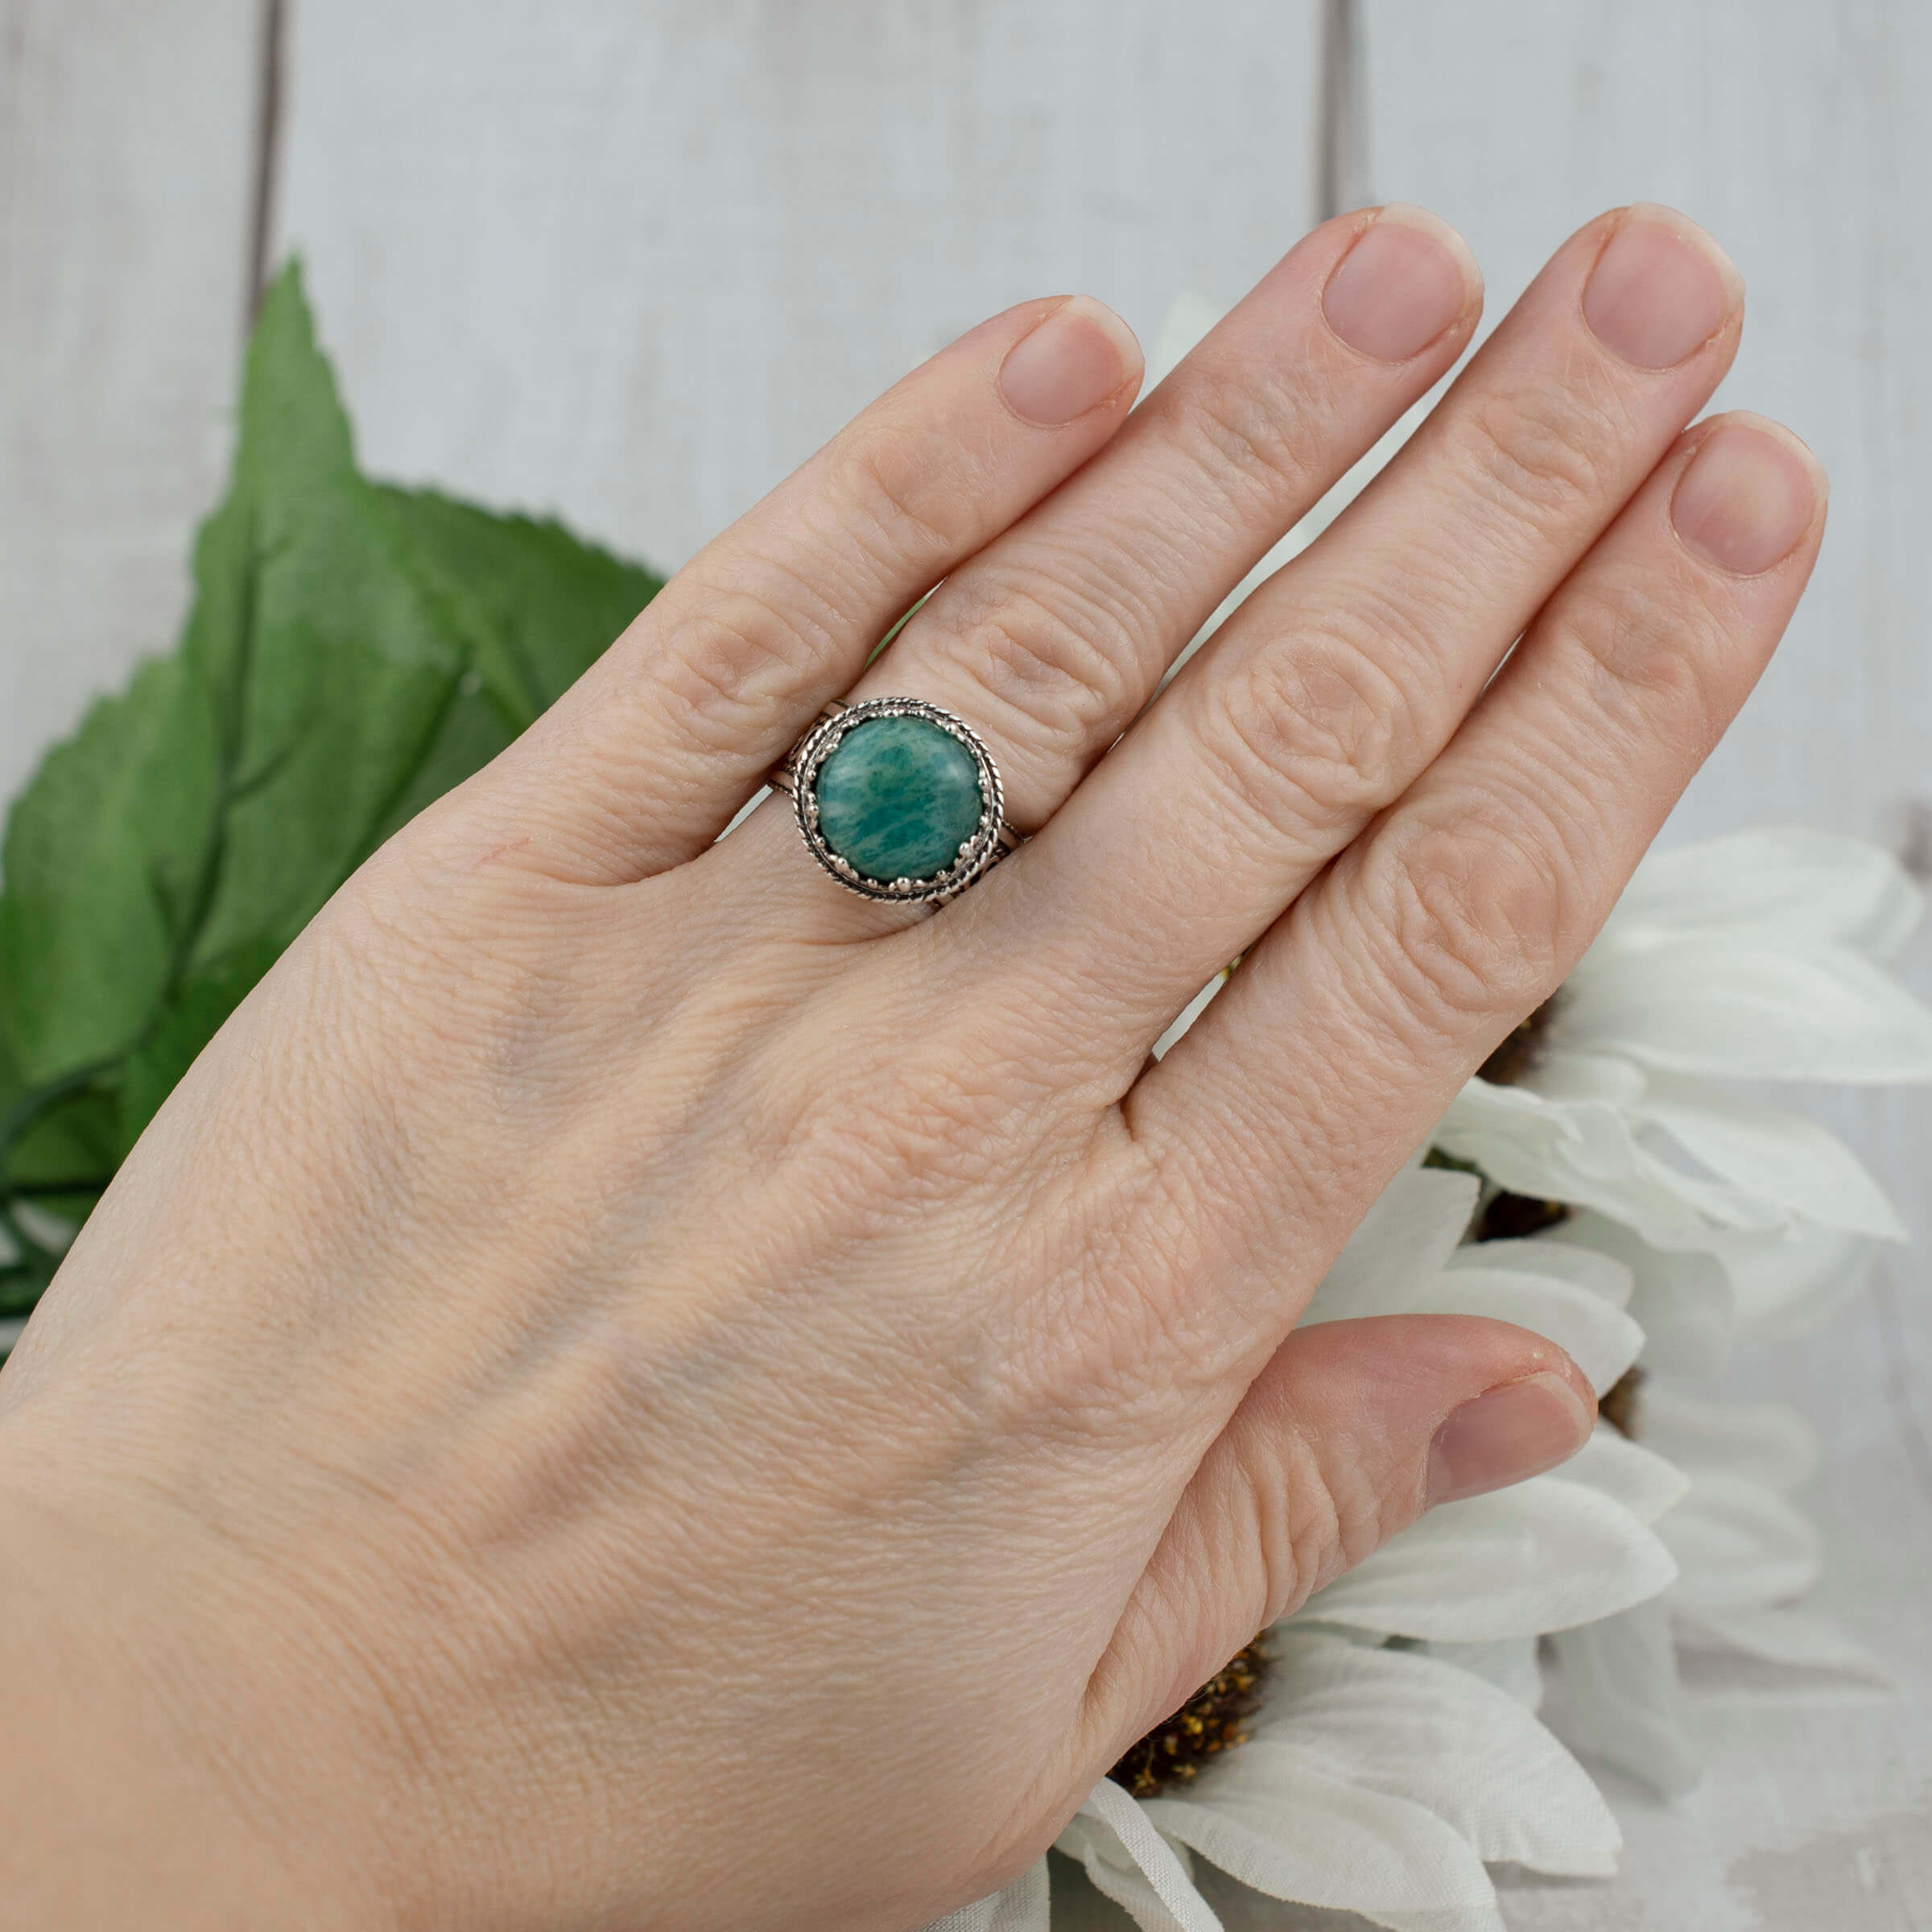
<point>991,840</point>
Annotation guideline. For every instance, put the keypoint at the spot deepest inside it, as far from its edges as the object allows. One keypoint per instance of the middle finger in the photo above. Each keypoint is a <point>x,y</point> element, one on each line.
<point>1339,681</point>
<point>1050,639</point>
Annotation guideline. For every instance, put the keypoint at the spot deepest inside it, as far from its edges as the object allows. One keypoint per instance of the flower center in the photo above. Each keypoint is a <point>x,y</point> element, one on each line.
<point>1505,1216</point>
<point>1521,1049</point>
<point>1514,1217</point>
<point>1618,1404</point>
<point>1212,1720</point>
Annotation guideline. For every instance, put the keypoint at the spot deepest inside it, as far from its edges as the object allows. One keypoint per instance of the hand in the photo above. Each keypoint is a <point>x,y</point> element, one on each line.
<point>634,1386</point>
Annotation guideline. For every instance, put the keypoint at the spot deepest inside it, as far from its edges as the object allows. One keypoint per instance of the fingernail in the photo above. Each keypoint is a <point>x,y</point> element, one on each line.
<point>1072,362</point>
<point>1506,1434</point>
<point>1407,278</point>
<point>1749,493</point>
<point>1661,290</point>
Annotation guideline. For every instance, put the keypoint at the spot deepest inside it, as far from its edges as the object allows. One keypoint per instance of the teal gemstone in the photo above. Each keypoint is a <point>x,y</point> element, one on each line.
<point>898,796</point>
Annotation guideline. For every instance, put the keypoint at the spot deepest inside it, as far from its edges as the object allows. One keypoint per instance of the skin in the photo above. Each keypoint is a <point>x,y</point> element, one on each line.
<point>630,1387</point>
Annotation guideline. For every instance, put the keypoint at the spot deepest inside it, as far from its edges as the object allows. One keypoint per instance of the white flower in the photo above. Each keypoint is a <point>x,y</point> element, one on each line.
<point>1406,1259</point>
<point>1772,1285</point>
<point>1615,1695</point>
<point>1397,1748</point>
<point>1399,1744</point>
<point>1759,955</point>
<point>1374,1780</point>
<point>1744,1553</point>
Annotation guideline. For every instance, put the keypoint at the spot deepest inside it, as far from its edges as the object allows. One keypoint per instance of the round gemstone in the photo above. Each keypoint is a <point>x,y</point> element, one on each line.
<point>898,796</point>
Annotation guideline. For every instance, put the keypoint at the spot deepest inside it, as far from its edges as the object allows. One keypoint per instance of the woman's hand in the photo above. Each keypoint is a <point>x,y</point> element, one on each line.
<point>633,1386</point>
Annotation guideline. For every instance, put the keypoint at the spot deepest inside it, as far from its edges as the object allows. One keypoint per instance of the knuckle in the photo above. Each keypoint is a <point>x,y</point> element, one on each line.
<point>1057,662</point>
<point>1470,915</point>
<point>1326,1518</point>
<point>1309,737</point>
<point>733,656</point>
<point>1304,1510</point>
<point>903,501</point>
<point>1652,663</point>
<point>1250,434</point>
<point>1542,454</point>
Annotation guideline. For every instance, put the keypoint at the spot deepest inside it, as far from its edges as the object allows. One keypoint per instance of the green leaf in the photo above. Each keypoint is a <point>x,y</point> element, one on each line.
<point>541,605</point>
<point>330,662</point>
<point>197,1013</point>
<point>69,1137</point>
<point>101,850</point>
<point>216,805</point>
<point>65,1159</point>
<point>472,733</point>
<point>352,652</point>
<point>22,1284</point>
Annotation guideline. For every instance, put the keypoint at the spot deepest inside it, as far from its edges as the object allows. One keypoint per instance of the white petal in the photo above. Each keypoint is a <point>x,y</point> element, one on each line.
<point>1518,1138</point>
<point>1566,1074</point>
<point>1405,1237</point>
<point>1606,1278</point>
<point>1764,1442</point>
<point>1601,1340</point>
<point>1795,1638</point>
<point>1790,1282</point>
<point>1421,1730</point>
<point>1615,1694</point>
<point>1740,1546</point>
<point>1681,1297</point>
<point>1541,1556</point>
<point>1293,1833</point>
<point>1784,1159</point>
<point>1510,1663</point>
<point>1790,885</point>
<point>1585,1152</point>
<point>1022,1907</point>
<point>1729,1008</point>
<point>1646,1484</point>
<point>1127,1858</point>
<point>1189,1013</point>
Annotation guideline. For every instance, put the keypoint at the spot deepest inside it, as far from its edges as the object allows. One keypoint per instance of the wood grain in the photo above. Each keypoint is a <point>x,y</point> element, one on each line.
<point>125,165</point>
<point>637,269</point>
<point>1797,134</point>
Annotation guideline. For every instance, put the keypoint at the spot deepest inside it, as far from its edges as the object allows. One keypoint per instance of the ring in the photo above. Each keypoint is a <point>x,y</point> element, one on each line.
<point>897,800</point>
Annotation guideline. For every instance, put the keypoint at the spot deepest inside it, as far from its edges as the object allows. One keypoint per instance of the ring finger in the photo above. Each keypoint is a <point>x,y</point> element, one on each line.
<point>1340,680</point>
<point>1465,906</point>
<point>1051,639</point>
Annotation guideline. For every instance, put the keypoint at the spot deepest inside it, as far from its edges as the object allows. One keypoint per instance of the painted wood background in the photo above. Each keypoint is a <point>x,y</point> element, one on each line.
<point>632,262</point>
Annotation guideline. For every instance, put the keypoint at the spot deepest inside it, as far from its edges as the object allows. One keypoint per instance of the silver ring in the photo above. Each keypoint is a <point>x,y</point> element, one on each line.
<point>951,857</point>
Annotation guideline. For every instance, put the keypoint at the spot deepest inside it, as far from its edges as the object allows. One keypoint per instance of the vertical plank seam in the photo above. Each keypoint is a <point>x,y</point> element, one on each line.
<point>1341,131</point>
<point>1896,1379</point>
<point>267,158</point>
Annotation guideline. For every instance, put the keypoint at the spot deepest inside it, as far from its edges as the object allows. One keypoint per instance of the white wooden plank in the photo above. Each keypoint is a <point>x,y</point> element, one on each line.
<point>633,264</point>
<point>1793,132</point>
<point>125,163</point>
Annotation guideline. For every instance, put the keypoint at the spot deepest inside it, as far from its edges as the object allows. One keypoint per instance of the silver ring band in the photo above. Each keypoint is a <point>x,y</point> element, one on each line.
<point>945,874</point>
